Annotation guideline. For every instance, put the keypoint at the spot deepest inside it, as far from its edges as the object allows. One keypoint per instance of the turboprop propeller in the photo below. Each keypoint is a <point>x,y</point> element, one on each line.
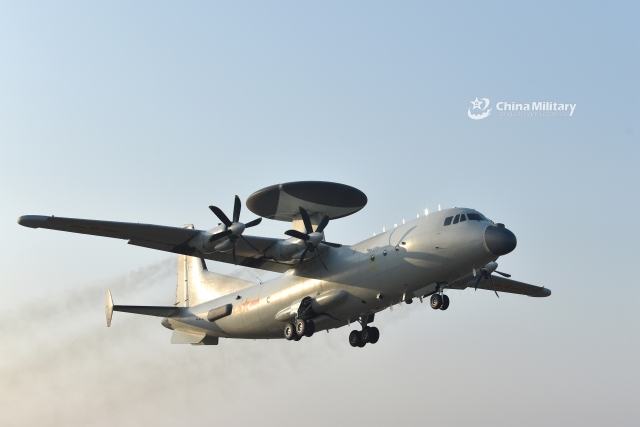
<point>234,228</point>
<point>312,238</point>
<point>484,274</point>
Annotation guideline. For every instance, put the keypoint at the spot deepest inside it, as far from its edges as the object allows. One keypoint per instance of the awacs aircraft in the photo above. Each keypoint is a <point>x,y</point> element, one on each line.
<point>323,285</point>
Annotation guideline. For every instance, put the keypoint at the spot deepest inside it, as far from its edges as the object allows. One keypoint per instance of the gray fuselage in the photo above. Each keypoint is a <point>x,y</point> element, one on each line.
<point>408,261</point>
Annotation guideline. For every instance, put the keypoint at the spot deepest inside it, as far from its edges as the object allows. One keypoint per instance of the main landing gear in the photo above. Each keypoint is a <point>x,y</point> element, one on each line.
<point>439,301</point>
<point>301,328</point>
<point>369,334</point>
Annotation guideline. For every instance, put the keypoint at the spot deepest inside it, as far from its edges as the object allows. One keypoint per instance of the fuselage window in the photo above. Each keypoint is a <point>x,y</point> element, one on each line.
<point>456,219</point>
<point>448,220</point>
<point>462,217</point>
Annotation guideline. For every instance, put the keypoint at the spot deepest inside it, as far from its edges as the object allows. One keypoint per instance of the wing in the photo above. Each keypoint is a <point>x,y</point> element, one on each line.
<point>504,285</point>
<point>162,238</point>
<point>514,287</point>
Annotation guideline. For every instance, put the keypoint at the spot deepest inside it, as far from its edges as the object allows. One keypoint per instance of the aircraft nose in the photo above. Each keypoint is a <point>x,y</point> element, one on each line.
<point>499,240</point>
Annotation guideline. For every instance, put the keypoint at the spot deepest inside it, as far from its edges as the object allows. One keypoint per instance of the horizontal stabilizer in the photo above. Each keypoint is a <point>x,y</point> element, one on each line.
<point>148,310</point>
<point>179,337</point>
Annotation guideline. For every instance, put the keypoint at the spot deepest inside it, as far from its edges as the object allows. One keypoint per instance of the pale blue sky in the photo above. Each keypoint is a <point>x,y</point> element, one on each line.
<point>152,111</point>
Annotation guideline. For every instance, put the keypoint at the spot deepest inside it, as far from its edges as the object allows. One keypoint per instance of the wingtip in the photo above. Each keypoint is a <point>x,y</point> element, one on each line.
<point>32,221</point>
<point>543,292</point>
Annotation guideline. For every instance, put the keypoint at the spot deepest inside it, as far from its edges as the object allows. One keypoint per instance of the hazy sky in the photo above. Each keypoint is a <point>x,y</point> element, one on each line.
<point>152,111</point>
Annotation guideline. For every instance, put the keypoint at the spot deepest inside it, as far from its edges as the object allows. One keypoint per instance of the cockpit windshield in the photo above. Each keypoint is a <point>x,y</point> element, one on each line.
<point>461,217</point>
<point>476,217</point>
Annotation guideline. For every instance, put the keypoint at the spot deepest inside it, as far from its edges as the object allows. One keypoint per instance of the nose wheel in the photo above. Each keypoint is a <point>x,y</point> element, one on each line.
<point>439,302</point>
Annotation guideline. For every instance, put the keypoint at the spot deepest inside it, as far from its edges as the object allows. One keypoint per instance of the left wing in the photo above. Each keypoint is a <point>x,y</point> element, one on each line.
<point>162,238</point>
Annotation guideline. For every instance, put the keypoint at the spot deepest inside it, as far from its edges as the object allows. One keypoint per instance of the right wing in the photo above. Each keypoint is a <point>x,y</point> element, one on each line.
<point>513,287</point>
<point>502,285</point>
<point>162,238</point>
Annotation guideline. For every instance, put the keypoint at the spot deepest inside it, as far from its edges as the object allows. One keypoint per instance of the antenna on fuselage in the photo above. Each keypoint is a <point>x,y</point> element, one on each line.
<point>439,208</point>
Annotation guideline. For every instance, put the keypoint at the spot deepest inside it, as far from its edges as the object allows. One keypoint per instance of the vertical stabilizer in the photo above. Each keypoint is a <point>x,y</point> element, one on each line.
<point>197,285</point>
<point>182,288</point>
<point>191,280</point>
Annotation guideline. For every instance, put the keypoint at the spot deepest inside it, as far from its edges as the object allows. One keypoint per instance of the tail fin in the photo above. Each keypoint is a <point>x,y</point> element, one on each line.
<point>197,285</point>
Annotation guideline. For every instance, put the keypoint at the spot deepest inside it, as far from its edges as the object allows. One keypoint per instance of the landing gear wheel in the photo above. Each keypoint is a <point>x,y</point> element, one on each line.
<point>365,335</point>
<point>296,337</point>
<point>436,301</point>
<point>355,339</point>
<point>289,331</point>
<point>374,335</point>
<point>445,302</point>
<point>301,327</point>
<point>310,329</point>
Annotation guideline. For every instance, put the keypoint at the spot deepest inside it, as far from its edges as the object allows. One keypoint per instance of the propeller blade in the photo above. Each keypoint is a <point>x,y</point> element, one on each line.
<point>333,245</point>
<point>306,220</point>
<point>494,286</point>
<point>253,223</point>
<point>219,235</point>
<point>303,254</point>
<point>220,215</point>
<point>480,276</point>
<point>236,209</point>
<point>323,224</point>
<point>234,254</point>
<point>249,243</point>
<point>502,274</point>
<point>321,261</point>
<point>297,234</point>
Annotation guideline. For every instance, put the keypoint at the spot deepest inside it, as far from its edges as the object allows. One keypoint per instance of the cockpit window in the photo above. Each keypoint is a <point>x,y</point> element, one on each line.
<point>475,217</point>
<point>462,217</point>
<point>456,219</point>
<point>447,221</point>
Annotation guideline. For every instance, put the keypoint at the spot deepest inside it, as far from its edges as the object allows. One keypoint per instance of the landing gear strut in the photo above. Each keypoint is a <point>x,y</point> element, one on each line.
<point>368,334</point>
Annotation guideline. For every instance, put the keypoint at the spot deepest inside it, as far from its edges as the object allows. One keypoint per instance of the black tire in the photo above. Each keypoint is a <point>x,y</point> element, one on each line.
<point>436,301</point>
<point>365,335</point>
<point>310,329</point>
<point>301,327</point>
<point>297,337</point>
<point>355,339</point>
<point>374,335</point>
<point>289,331</point>
<point>445,302</point>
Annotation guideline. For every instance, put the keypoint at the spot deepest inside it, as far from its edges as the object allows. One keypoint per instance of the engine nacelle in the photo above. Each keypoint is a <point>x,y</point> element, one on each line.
<point>286,250</point>
<point>201,241</point>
